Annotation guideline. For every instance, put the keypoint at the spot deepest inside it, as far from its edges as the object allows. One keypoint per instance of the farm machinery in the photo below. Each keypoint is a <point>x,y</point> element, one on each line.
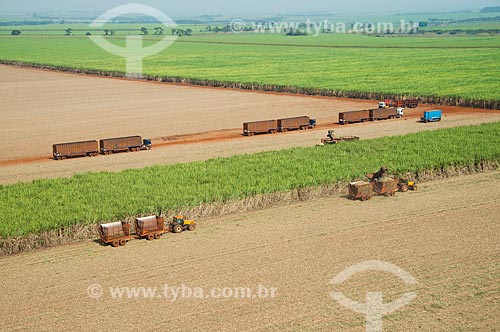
<point>380,184</point>
<point>150,228</point>
<point>180,224</point>
<point>332,139</point>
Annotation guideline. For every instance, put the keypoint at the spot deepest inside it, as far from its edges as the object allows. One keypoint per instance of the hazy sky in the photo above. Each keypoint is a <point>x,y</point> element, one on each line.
<point>248,7</point>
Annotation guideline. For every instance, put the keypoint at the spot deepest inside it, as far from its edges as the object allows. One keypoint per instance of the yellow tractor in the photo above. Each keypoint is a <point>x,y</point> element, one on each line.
<point>180,224</point>
<point>405,185</point>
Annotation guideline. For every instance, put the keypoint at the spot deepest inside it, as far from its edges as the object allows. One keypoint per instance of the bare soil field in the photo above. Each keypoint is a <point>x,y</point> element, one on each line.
<point>185,123</point>
<point>445,236</point>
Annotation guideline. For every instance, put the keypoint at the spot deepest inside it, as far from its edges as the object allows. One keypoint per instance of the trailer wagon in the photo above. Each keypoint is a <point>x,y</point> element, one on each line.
<point>300,122</point>
<point>151,227</point>
<point>354,117</point>
<point>116,234</point>
<point>121,144</point>
<point>75,149</point>
<point>260,127</point>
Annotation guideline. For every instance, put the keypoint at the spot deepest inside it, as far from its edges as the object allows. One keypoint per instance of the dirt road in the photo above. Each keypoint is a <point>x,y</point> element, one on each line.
<point>185,123</point>
<point>445,236</point>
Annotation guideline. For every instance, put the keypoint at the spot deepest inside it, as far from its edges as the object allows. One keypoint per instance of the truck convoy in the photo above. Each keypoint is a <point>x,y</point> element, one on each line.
<point>432,116</point>
<point>370,115</point>
<point>410,103</point>
<point>150,228</point>
<point>280,125</point>
<point>107,146</point>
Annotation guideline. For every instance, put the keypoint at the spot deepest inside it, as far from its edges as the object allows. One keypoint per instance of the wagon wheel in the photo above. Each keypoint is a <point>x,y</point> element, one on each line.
<point>157,236</point>
<point>404,188</point>
<point>191,228</point>
<point>115,243</point>
<point>150,237</point>
<point>177,228</point>
<point>284,130</point>
<point>123,242</point>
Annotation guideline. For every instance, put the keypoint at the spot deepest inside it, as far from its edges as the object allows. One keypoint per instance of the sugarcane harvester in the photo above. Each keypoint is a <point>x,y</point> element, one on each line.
<point>332,139</point>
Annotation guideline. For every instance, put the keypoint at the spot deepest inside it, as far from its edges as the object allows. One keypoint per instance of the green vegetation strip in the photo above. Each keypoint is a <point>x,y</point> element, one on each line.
<point>43,205</point>
<point>466,77</point>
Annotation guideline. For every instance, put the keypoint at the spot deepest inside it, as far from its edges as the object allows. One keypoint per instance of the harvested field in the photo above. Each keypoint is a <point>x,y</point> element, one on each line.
<point>185,123</point>
<point>451,248</point>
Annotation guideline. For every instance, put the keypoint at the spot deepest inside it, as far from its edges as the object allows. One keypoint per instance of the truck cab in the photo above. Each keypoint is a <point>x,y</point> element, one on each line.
<point>147,144</point>
<point>401,112</point>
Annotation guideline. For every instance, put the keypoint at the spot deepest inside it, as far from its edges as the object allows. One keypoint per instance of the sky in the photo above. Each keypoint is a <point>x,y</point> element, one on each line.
<point>252,7</point>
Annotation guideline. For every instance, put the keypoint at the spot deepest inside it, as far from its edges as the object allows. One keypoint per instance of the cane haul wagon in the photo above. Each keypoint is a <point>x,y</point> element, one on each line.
<point>152,227</point>
<point>116,233</point>
<point>121,144</point>
<point>75,149</point>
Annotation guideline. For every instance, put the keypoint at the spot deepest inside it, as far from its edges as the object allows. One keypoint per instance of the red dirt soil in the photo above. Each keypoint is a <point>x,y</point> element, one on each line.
<point>186,123</point>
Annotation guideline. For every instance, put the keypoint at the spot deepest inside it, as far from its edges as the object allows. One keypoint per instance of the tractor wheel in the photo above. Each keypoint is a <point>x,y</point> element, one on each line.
<point>150,237</point>
<point>157,236</point>
<point>177,229</point>
<point>123,242</point>
<point>414,187</point>
<point>404,188</point>
<point>115,243</point>
<point>191,228</point>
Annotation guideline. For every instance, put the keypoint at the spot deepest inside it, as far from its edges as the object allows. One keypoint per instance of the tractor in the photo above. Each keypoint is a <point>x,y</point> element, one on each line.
<point>405,185</point>
<point>180,224</point>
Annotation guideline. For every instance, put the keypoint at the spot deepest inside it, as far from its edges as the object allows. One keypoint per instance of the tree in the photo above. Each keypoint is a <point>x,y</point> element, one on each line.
<point>189,32</point>
<point>144,31</point>
<point>16,32</point>
<point>88,34</point>
<point>68,32</point>
<point>159,31</point>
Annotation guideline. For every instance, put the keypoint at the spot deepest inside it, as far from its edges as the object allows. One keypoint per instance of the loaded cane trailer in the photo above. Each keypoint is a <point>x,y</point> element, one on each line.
<point>116,233</point>
<point>152,227</point>
<point>121,144</point>
<point>386,186</point>
<point>354,117</point>
<point>260,127</point>
<point>296,123</point>
<point>360,190</point>
<point>75,149</point>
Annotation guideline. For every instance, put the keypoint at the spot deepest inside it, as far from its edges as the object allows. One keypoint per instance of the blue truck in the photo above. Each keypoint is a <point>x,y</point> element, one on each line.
<point>432,116</point>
